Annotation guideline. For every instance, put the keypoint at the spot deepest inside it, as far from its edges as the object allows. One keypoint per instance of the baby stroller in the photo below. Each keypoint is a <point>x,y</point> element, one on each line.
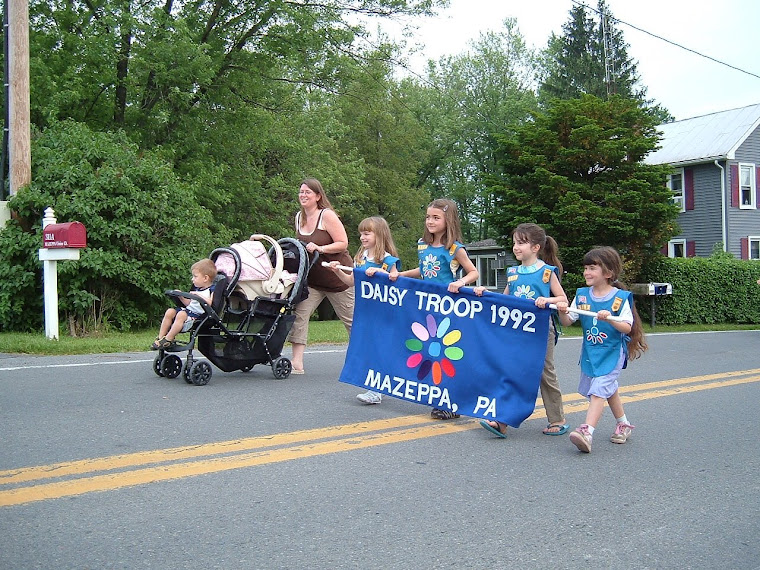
<point>250,315</point>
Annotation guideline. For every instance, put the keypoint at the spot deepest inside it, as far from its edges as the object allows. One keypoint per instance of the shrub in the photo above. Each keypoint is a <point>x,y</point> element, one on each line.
<point>718,289</point>
<point>144,230</point>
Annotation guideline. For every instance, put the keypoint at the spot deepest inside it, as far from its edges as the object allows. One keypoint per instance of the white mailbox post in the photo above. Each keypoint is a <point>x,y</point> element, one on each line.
<point>60,242</point>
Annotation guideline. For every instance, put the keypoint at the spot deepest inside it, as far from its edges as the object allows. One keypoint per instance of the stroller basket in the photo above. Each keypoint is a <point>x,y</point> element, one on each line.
<point>259,337</point>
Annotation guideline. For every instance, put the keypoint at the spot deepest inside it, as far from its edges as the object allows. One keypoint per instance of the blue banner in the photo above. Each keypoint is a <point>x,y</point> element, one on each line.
<point>477,356</point>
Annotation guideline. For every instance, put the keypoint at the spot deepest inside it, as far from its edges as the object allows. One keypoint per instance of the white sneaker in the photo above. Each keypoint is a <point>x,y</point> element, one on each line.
<point>370,397</point>
<point>581,438</point>
<point>622,433</point>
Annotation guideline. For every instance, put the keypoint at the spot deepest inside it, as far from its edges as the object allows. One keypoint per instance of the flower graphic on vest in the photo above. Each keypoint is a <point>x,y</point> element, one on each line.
<point>525,292</point>
<point>430,266</point>
<point>433,349</point>
<point>594,335</point>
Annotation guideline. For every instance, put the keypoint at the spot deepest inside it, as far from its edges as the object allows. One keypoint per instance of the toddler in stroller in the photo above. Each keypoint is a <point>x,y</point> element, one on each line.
<point>180,319</point>
<point>250,314</point>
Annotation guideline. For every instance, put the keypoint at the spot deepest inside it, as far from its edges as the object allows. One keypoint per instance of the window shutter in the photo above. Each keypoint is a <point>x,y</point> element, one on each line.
<point>757,186</point>
<point>690,248</point>
<point>688,188</point>
<point>734,185</point>
<point>745,248</point>
<point>664,250</point>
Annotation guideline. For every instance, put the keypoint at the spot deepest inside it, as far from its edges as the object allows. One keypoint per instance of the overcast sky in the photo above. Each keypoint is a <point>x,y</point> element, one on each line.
<point>685,83</point>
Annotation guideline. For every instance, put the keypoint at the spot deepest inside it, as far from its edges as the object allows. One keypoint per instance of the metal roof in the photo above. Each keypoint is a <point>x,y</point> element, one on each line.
<point>703,139</point>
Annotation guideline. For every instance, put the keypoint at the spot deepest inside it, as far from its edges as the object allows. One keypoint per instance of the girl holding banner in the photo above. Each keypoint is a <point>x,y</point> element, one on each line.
<point>377,252</point>
<point>607,343</point>
<point>537,278</point>
<point>441,255</point>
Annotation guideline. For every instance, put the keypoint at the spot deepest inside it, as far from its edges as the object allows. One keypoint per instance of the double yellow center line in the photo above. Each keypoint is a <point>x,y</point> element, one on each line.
<point>30,484</point>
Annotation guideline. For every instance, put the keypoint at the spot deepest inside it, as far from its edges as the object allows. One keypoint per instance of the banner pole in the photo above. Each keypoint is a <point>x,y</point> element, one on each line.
<point>587,313</point>
<point>343,267</point>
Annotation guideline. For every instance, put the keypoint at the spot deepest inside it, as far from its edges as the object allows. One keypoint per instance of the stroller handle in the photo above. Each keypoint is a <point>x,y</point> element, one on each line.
<point>270,285</point>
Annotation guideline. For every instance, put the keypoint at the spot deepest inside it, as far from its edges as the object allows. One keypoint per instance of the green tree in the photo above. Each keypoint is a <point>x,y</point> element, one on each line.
<point>231,104</point>
<point>383,130</point>
<point>144,230</point>
<point>577,171</point>
<point>471,99</point>
<point>591,57</point>
<point>574,60</point>
<point>216,86</point>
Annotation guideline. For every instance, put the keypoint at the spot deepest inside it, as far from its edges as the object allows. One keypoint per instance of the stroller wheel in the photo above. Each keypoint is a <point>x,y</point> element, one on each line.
<point>188,364</point>
<point>171,365</point>
<point>200,373</point>
<point>281,367</point>
<point>157,366</point>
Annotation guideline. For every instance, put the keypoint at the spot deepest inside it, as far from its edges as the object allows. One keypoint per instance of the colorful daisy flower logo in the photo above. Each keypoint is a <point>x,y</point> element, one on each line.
<point>433,349</point>
<point>525,292</point>
<point>430,266</point>
<point>593,334</point>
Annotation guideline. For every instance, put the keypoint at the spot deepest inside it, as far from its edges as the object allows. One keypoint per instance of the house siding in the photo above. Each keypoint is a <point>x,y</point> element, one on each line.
<point>749,150</point>
<point>743,223</point>
<point>702,224</point>
<point>501,280</point>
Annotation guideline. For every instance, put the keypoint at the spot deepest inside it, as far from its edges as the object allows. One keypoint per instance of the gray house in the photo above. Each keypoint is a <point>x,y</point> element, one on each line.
<point>715,160</point>
<point>491,260</point>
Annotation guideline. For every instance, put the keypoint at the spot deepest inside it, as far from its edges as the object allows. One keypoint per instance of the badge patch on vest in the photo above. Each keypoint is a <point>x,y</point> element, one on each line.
<point>511,278</point>
<point>616,304</point>
<point>452,249</point>
<point>547,275</point>
<point>421,246</point>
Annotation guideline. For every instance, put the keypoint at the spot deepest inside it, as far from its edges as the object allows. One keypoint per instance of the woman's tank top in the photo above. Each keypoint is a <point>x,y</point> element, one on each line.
<point>322,278</point>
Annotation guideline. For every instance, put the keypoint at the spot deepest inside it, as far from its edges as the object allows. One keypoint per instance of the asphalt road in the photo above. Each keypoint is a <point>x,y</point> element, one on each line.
<point>105,465</point>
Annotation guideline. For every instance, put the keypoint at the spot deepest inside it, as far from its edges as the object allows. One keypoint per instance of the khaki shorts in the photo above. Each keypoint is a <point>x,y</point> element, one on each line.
<point>342,302</point>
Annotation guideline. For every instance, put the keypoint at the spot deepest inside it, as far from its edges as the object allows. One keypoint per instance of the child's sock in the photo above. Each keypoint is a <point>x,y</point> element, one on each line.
<point>590,429</point>
<point>622,419</point>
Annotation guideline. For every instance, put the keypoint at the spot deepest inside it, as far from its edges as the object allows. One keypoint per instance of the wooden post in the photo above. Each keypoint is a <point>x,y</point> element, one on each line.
<point>19,134</point>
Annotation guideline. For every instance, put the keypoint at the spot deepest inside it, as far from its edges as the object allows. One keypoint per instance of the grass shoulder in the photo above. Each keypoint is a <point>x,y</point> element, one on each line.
<point>320,332</point>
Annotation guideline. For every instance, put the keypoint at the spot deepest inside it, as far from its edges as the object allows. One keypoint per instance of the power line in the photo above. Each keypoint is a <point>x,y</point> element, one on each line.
<point>671,42</point>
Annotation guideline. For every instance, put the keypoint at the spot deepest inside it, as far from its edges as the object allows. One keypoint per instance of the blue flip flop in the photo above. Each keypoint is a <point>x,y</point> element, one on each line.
<point>562,429</point>
<point>492,429</point>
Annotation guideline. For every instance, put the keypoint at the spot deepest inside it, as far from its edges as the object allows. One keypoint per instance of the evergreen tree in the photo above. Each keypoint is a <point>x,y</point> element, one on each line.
<point>591,57</point>
<point>575,60</point>
<point>577,171</point>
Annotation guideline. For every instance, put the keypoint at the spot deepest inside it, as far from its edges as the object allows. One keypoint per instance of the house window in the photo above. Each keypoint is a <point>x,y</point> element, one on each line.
<point>747,186</point>
<point>754,247</point>
<point>677,248</point>
<point>486,266</point>
<point>675,183</point>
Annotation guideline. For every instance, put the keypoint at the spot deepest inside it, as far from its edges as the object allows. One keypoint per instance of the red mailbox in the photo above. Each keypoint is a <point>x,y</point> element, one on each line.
<point>70,234</point>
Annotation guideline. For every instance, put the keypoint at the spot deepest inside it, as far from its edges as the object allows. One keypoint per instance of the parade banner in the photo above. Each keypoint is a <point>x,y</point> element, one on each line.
<point>477,356</point>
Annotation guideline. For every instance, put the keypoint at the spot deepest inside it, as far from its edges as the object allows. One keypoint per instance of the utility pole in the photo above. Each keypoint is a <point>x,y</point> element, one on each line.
<point>609,64</point>
<point>20,149</point>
